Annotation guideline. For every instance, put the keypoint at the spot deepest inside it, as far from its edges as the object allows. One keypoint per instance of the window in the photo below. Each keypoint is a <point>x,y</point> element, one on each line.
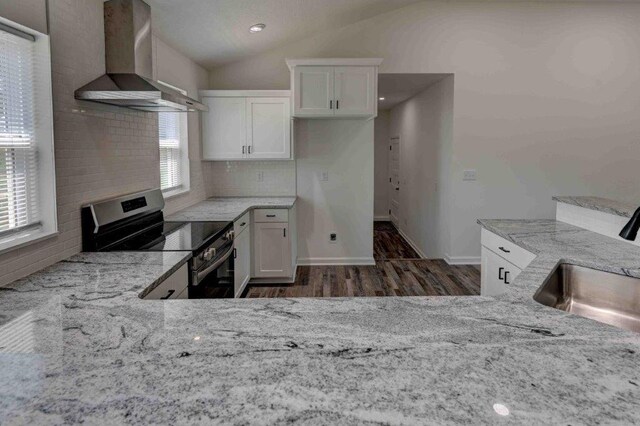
<point>27,178</point>
<point>174,151</point>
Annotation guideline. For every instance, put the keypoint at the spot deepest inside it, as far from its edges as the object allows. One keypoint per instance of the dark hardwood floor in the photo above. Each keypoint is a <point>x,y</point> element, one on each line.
<point>398,272</point>
<point>389,244</point>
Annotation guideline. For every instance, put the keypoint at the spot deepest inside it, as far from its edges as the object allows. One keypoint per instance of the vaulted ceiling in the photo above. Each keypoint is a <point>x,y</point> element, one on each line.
<point>215,32</point>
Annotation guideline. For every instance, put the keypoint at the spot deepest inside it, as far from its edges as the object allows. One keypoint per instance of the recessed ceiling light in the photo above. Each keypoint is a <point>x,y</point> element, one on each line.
<point>382,99</point>
<point>257,28</point>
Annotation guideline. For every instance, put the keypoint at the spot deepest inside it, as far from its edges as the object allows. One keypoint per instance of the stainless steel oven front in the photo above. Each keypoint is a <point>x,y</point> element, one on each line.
<point>212,267</point>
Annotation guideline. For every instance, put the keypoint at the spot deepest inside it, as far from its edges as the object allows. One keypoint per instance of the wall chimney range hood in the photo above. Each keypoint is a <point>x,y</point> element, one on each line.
<point>128,81</point>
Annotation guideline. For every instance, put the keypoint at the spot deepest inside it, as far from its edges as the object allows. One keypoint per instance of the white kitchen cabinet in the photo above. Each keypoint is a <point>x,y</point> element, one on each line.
<point>272,250</point>
<point>502,262</point>
<point>355,91</point>
<point>173,287</point>
<point>268,128</point>
<point>497,273</point>
<point>242,261</point>
<point>224,128</point>
<point>246,125</point>
<point>334,88</point>
<point>313,91</point>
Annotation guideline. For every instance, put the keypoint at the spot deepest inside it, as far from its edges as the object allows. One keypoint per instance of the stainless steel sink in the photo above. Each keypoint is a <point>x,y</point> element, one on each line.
<point>602,296</point>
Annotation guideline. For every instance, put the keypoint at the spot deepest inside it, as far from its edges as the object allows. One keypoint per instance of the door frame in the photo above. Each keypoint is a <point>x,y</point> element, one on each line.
<point>392,185</point>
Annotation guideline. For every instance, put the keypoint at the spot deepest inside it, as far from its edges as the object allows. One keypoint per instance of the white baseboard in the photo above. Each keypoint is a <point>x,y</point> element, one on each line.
<point>386,218</point>
<point>323,261</point>
<point>462,260</point>
<point>412,244</point>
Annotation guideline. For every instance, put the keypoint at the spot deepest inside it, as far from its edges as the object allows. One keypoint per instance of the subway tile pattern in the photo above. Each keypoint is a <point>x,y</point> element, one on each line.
<point>100,151</point>
<point>250,178</point>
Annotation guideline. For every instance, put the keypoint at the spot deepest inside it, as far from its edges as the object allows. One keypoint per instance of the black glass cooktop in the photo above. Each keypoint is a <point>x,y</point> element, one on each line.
<point>174,236</point>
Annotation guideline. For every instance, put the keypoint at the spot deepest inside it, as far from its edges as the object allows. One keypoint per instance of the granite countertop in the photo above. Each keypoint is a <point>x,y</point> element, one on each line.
<point>78,345</point>
<point>229,208</point>
<point>600,204</point>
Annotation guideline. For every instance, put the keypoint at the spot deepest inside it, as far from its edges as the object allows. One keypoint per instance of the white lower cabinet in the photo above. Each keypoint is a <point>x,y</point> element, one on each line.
<point>497,271</point>
<point>272,250</point>
<point>173,287</point>
<point>242,262</point>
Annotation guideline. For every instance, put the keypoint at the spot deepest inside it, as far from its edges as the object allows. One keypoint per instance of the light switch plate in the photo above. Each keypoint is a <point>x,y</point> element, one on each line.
<point>470,175</point>
<point>323,176</point>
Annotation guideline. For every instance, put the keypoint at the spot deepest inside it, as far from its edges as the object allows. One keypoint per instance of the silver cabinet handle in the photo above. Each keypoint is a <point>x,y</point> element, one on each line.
<point>330,104</point>
<point>249,149</point>
<point>243,149</point>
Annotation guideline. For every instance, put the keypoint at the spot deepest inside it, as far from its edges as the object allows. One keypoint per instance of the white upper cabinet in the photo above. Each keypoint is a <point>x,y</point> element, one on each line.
<point>313,91</point>
<point>354,91</point>
<point>268,128</point>
<point>246,125</point>
<point>224,128</point>
<point>329,88</point>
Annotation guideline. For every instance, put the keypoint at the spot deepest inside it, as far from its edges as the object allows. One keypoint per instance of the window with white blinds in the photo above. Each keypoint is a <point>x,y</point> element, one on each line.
<point>27,169</point>
<point>174,155</point>
<point>19,206</point>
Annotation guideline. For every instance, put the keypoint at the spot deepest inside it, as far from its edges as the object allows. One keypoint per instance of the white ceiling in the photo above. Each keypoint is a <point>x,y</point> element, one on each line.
<point>215,32</point>
<point>396,88</point>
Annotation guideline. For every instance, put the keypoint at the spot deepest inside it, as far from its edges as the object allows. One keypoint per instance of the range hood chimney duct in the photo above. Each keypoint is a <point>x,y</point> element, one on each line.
<point>129,80</point>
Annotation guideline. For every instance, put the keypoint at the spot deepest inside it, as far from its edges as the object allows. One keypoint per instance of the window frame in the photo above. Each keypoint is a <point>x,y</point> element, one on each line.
<point>43,131</point>
<point>185,169</point>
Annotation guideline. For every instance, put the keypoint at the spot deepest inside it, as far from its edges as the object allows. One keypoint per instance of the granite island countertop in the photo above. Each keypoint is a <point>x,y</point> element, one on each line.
<point>79,345</point>
<point>229,208</point>
<point>600,204</point>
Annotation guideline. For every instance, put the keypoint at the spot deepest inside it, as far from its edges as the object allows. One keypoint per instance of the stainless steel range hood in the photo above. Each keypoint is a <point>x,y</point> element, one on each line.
<point>128,80</point>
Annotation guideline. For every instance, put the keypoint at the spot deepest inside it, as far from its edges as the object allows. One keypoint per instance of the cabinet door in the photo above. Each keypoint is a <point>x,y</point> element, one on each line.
<point>497,273</point>
<point>313,92</point>
<point>354,91</point>
<point>242,263</point>
<point>268,128</point>
<point>272,250</point>
<point>224,129</point>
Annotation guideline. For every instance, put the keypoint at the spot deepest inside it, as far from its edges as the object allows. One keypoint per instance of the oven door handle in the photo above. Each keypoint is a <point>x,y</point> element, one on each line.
<point>199,275</point>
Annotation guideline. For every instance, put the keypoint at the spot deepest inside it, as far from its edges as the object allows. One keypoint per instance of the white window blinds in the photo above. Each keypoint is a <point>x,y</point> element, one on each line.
<point>170,151</point>
<point>18,147</point>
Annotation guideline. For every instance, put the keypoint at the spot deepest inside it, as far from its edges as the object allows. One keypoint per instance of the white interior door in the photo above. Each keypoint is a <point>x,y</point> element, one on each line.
<point>394,181</point>
<point>313,91</point>
<point>224,128</point>
<point>269,128</point>
<point>354,91</point>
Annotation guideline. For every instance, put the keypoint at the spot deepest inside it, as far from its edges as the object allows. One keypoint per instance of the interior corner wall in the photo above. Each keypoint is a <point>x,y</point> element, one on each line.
<point>546,97</point>
<point>172,67</point>
<point>343,204</point>
<point>381,166</point>
<point>424,124</point>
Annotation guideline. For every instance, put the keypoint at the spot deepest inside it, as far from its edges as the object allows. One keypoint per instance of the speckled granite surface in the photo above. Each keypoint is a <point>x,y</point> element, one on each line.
<point>78,345</point>
<point>229,208</point>
<point>600,204</point>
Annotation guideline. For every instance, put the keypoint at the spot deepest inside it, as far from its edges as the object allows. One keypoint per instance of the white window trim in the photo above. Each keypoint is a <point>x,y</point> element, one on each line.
<point>184,146</point>
<point>46,158</point>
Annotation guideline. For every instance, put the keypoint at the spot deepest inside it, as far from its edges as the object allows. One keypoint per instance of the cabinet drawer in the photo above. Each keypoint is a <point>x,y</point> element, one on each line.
<point>242,223</point>
<point>172,287</point>
<point>506,249</point>
<point>271,215</point>
<point>497,273</point>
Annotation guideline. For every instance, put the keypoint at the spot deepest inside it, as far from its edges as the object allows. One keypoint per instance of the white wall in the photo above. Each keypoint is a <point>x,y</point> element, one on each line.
<point>30,13</point>
<point>546,98</point>
<point>424,124</point>
<point>381,166</point>
<point>344,203</point>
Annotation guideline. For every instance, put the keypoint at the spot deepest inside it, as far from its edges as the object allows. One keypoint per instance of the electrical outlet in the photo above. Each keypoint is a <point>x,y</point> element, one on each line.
<point>260,176</point>
<point>323,176</point>
<point>469,175</point>
<point>333,238</point>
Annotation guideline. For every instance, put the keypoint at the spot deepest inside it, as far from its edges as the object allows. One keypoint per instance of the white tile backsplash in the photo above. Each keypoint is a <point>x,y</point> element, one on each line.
<point>250,178</point>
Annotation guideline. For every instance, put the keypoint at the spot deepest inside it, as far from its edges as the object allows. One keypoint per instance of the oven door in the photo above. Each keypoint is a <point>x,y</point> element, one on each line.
<point>213,275</point>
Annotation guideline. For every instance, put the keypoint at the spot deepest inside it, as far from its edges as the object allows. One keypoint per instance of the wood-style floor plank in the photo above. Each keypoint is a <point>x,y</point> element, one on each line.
<point>398,272</point>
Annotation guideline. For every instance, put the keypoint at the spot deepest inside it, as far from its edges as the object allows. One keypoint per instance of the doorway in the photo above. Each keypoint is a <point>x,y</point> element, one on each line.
<point>394,181</point>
